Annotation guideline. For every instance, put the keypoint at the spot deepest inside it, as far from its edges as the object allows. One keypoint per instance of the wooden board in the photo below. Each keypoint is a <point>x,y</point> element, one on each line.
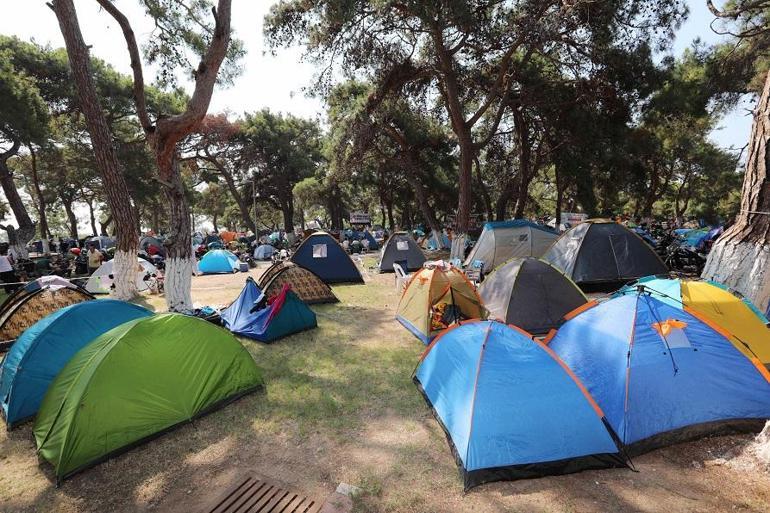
<point>254,495</point>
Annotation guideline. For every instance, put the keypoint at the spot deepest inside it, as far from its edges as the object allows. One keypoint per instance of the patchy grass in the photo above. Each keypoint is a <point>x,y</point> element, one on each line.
<point>340,406</point>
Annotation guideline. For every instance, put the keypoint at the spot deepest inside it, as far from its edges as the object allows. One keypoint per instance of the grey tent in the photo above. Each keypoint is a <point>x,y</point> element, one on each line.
<point>602,251</point>
<point>502,240</point>
<point>530,294</point>
<point>401,248</point>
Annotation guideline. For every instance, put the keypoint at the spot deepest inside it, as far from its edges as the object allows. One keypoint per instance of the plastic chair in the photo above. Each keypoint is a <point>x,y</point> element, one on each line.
<point>401,277</point>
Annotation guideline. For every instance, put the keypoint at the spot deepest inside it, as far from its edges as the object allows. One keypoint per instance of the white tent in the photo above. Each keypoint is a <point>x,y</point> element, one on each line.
<point>101,281</point>
<point>502,240</point>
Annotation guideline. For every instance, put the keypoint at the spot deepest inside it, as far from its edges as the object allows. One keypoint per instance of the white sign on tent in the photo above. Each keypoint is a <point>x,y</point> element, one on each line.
<point>360,218</point>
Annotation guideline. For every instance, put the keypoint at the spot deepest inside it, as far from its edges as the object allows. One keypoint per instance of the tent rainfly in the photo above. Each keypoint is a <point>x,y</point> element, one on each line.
<point>322,254</point>
<point>141,379</point>
<point>401,249</point>
<point>502,240</point>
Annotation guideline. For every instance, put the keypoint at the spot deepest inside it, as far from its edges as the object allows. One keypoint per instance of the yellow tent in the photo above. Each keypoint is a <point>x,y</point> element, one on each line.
<point>435,297</point>
<point>742,324</point>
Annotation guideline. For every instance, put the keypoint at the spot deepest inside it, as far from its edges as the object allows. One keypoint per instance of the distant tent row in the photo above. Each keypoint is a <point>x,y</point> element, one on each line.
<point>283,315</point>
<point>502,240</point>
<point>327,259</point>
<point>403,250</point>
<point>601,251</point>
<point>649,367</point>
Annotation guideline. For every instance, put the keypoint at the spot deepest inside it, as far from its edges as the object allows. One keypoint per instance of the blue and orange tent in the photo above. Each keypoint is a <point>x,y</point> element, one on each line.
<point>510,407</point>
<point>323,255</point>
<point>283,315</point>
<point>662,374</point>
<point>218,261</point>
<point>45,348</point>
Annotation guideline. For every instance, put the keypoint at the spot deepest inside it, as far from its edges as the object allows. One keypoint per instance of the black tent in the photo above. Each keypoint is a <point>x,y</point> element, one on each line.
<point>401,249</point>
<point>602,251</point>
<point>530,294</point>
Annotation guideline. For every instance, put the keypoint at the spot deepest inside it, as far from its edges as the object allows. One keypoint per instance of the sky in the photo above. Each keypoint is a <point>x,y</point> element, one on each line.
<point>278,81</point>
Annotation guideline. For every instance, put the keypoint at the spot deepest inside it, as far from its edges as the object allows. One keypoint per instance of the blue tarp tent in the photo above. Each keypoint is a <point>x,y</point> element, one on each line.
<point>286,314</point>
<point>509,407</point>
<point>218,261</point>
<point>44,348</point>
<point>661,374</point>
<point>323,255</point>
<point>264,252</point>
<point>430,243</point>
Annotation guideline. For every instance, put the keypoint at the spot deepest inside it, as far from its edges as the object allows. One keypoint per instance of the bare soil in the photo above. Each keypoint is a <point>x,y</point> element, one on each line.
<point>340,407</point>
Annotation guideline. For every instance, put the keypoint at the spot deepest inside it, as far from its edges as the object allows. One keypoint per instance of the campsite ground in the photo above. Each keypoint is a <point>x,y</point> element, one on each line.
<point>340,407</point>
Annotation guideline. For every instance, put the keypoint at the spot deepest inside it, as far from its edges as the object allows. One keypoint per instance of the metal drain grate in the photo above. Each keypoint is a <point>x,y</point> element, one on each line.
<point>256,496</point>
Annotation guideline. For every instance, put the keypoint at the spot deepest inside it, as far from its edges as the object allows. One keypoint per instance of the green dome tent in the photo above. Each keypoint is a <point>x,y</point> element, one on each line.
<point>136,382</point>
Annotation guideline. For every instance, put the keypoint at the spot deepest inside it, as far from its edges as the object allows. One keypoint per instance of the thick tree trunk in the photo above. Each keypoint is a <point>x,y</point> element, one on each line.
<point>26,230</point>
<point>391,219</point>
<point>92,216</point>
<point>179,258</point>
<point>104,150</point>
<point>741,257</point>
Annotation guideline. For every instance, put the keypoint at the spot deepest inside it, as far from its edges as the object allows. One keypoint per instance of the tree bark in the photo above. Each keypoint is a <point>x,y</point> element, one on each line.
<point>26,230</point>
<point>741,256</point>
<point>484,191</point>
<point>287,208</point>
<point>103,227</point>
<point>107,162</point>
<point>92,216</point>
<point>41,204</point>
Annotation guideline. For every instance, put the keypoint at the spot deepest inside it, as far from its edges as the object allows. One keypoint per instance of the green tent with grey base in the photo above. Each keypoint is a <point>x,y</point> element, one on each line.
<point>136,382</point>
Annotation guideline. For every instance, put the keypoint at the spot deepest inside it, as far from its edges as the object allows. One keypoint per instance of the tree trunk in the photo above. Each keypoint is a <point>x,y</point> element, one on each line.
<point>484,192</point>
<point>91,217</point>
<point>741,256</point>
<point>41,205</point>
<point>559,198</point>
<point>243,206</point>
<point>391,219</point>
<point>287,208</point>
<point>26,230</point>
<point>179,258</point>
<point>214,223</point>
<point>103,226</point>
<point>71,217</point>
<point>107,162</point>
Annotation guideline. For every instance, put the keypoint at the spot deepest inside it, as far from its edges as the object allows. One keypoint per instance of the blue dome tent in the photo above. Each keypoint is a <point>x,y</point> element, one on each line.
<point>264,252</point>
<point>510,408</point>
<point>323,255</point>
<point>218,261</point>
<point>46,347</point>
<point>662,374</point>
<point>284,315</point>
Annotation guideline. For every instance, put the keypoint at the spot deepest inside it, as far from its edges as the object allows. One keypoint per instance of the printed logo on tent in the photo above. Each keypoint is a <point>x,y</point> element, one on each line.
<point>672,333</point>
<point>523,237</point>
<point>319,251</point>
<point>402,245</point>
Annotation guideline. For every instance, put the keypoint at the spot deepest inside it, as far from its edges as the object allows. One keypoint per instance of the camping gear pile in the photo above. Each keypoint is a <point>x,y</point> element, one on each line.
<point>101,377</point>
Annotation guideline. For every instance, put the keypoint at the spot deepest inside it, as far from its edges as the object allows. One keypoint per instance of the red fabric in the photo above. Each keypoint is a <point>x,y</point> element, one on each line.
<point>276,302</point>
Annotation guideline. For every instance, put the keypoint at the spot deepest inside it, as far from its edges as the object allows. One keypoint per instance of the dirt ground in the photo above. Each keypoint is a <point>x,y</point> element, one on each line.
<point>340,406</point>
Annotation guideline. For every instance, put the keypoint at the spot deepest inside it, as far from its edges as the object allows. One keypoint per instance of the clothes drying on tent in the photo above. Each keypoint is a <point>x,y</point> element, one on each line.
<point>282,315</point>
<point>43,349</point>
<point>101,281</point>
<point>403,250</point>
<point>530,294</point>
<point>28,307</point>
<point>141,379</point>
<point>745,326</point>
<point>264,252</point>
<point>306,285</point>
<point>502,240</point>
<point>662,374</point>
<point>510,408</point>
<point>602,251</point>
<point>322,254</point>
<point>436,297</point>
<point>218,261</point>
